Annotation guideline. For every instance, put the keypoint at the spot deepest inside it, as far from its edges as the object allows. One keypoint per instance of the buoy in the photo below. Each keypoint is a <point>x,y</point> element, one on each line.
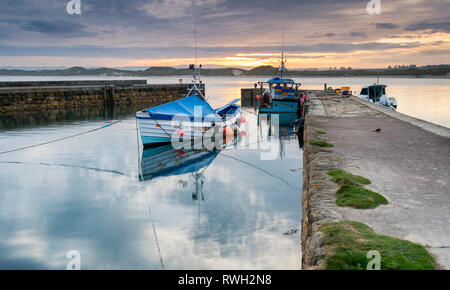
<point>258,96</point>
<point>228,131</point>
<point>181,153</point>
<point>228,134</point>
<point>243,120</point>
<point>243,133</point>
<point>181,132</point>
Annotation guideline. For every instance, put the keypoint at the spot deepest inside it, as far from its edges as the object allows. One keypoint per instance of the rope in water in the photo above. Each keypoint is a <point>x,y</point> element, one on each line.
<point>66,165</point>
<point>154,231</point>
<point>141,177</point>
<point>60,139</point>
<point>261,169</point>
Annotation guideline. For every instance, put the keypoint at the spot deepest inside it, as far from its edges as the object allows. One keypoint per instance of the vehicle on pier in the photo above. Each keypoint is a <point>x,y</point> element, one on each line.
<point>346,91</point>
<point>377,94</point>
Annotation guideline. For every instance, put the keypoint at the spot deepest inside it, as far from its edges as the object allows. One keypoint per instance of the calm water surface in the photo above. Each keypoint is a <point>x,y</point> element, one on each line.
<point>84,194</point>
<point>427,99</point>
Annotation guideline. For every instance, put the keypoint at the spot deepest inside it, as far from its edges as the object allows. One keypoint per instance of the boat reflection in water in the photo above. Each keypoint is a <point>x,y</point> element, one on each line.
<point>289,128</point>
<point>167,161</point>
<point>289,120</point>
<point>163,161</point>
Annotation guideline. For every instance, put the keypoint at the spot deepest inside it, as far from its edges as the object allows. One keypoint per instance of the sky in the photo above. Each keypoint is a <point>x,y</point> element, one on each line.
<point>231,33</point>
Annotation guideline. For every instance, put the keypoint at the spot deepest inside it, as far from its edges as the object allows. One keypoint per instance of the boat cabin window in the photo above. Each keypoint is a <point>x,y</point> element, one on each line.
<point>375,93</point>
<point>364,91</point>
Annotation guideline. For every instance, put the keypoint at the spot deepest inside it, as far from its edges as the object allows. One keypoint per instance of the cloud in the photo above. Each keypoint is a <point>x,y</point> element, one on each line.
<point>403,36</point>
<point>54,27</point>
<point>138,29</point>
<point>187,51</point>
<point>437,52</point>
<point>328,35</point>
<point>435,27</point>
<point>358,34</point>
<point>386,25</point>
<point>167,9</point>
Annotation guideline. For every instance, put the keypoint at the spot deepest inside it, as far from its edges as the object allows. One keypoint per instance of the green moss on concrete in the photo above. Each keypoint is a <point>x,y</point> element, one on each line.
<point>358,197</point>
<point>347,244</point>
<point>352,194</point>
<point>320,143</point>
<point>342,177</point>
<point>320,132</point>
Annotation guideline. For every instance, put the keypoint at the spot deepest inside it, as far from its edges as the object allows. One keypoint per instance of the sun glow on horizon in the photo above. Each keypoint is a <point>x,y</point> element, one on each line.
<point>431,47</point>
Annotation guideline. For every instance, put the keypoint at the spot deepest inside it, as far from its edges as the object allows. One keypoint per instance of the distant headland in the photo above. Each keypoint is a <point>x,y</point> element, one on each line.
<point>436,71</point>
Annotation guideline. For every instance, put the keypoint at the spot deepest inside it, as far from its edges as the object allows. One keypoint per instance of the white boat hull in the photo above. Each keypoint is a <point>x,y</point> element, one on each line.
<point>154,131</point>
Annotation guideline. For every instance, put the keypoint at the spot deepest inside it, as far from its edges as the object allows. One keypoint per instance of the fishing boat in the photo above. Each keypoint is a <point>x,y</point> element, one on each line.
<point>376,94</point>
<point>188,118</point>
<point>281,95</point>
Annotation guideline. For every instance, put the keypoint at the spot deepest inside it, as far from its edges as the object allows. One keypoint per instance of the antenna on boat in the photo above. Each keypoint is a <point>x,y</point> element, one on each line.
<point>282,65</point>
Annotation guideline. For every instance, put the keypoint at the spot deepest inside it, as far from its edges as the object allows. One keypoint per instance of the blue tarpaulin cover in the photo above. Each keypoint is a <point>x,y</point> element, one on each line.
<point>228,105</point>
<point>188,106</point>
<point>282,81</point>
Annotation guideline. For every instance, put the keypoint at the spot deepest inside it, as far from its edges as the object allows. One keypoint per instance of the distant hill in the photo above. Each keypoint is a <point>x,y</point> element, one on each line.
<point>262,71</point>
<point>266,71</point>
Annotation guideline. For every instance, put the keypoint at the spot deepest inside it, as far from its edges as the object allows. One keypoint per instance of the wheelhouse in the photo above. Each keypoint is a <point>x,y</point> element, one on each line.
<point>278,88</point>
<point>374,92</point>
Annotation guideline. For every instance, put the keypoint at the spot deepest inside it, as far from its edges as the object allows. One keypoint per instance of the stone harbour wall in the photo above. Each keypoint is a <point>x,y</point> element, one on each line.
<point>13,99</point>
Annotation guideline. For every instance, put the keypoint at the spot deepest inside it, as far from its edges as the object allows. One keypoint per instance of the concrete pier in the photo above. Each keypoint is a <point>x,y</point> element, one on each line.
<point>406,159</point>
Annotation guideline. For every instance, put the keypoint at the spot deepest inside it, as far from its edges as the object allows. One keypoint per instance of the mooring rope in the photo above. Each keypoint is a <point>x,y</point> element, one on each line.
<point>154,231</point>
<point>159,125</point>
<point>138,147</point>
<point>141,177</point>
<point>67,165</point>
<point>248,111</point>
<point>60,139</point>
<point>261,169</point>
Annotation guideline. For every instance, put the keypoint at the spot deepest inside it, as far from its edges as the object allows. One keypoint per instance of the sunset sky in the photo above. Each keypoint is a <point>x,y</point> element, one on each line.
<point>235,33</point>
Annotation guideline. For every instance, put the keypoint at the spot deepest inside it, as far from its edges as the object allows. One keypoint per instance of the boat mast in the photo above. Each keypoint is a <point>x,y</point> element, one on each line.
<point>195,43</point>
<point>282,66</point>
<point>197,85</point>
